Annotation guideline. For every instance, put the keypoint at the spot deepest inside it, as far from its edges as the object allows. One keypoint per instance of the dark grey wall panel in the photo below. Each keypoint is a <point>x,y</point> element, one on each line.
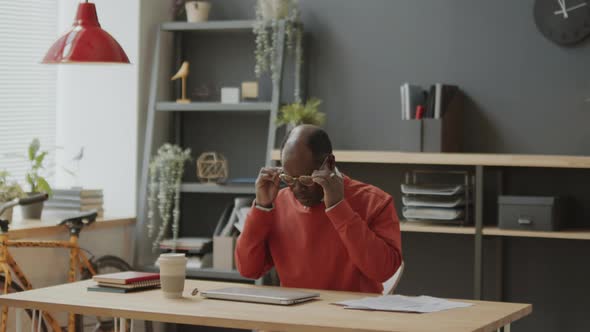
<point>526,94</point>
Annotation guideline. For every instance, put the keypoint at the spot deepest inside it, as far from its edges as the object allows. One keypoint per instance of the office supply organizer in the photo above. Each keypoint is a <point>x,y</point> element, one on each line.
<point>438,196</point>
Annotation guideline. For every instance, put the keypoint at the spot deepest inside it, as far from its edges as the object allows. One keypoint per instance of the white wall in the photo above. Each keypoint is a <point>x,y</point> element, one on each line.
<point>97,107</point>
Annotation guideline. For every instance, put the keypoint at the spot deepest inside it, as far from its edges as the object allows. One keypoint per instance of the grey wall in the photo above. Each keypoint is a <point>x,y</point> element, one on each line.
<point>525,95</point>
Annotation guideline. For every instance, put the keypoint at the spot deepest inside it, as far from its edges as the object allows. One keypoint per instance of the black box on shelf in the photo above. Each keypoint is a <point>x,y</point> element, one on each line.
<point>539,213</point>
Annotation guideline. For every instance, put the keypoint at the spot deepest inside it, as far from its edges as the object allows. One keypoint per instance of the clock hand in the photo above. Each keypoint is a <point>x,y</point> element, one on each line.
<point>583,4</point>
<point>563,10</point>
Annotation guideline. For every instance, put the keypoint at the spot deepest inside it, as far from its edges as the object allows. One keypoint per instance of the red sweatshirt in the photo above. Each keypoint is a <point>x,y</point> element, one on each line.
<point>355,246</point>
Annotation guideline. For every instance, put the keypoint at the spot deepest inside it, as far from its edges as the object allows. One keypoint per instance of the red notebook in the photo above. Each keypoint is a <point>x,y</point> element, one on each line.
<point>127,277</point>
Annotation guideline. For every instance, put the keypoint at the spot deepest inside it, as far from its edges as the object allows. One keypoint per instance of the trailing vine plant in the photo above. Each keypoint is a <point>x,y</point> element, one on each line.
<point>165,176</point>
<point>269,14</point>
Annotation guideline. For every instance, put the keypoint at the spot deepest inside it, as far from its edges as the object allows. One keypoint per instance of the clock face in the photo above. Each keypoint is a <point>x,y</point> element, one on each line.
<point>565,22</point>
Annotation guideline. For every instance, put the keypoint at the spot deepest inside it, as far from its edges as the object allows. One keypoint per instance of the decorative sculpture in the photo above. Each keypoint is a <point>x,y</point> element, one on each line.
<point>182,74</point>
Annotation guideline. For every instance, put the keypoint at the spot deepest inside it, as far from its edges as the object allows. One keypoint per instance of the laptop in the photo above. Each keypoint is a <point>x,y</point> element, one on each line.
<point>260,295</point>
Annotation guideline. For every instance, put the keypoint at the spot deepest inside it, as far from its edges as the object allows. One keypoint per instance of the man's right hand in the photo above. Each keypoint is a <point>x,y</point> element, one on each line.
<point>267,186</point>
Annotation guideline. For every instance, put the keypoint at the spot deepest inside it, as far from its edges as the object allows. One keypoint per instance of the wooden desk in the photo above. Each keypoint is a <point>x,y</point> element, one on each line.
<point>46,227</point>
<point>318,315</point>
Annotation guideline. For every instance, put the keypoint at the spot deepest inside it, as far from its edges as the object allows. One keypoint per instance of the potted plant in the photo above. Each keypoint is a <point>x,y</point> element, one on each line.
<point>8,192</point>
<point>196,11</point>
<point>165,176</point>
<point>295,114</point>
<point>268,15</point>
<point>37,183</point>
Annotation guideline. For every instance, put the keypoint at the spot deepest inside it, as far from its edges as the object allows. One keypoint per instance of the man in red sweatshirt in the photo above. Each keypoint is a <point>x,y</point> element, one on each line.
<point>326,230</point>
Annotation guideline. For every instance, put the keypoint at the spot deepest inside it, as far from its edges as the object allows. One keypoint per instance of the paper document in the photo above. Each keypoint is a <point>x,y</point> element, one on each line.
<point>420,304</point>
<point>423,189</point>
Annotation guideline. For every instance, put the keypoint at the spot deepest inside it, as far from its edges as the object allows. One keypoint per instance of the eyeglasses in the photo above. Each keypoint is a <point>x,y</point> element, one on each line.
<point>305,180</point>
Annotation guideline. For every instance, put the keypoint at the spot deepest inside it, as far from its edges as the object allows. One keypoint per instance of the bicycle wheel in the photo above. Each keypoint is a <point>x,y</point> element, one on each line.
<point>26,320</point>
<point>104,264</point>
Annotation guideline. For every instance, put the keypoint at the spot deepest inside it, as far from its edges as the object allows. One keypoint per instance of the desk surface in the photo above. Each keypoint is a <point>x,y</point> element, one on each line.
<point>317,315</point>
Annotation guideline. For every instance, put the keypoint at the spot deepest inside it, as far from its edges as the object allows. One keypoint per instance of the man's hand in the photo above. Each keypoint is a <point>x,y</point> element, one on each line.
<point>267,186</point>
<point>332,184</point>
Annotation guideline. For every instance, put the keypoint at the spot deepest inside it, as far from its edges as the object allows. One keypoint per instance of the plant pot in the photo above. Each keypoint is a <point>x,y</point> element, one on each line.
<point>197,11</point>
<point>273,9</point>
<point>7,214</point>
<point>32,211</point>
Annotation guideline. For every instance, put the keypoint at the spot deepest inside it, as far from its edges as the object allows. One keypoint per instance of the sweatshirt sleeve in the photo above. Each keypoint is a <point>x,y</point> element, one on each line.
<point>252,255</point>
<point>373,245</point>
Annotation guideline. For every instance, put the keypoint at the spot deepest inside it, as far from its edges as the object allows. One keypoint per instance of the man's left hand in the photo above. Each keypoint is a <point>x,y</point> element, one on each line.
<point>332,184</point>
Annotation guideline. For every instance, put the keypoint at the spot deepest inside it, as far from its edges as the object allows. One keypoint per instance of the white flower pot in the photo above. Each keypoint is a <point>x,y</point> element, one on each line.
<point>197,11</point>
<point>7,214</point>
<point>273,9</point>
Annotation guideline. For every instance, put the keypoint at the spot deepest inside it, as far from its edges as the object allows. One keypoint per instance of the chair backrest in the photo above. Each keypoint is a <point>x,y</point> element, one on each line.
<point>390,285</point>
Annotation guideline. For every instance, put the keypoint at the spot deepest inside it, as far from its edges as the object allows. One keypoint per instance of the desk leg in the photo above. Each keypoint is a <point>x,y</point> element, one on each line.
<point>507,327</point>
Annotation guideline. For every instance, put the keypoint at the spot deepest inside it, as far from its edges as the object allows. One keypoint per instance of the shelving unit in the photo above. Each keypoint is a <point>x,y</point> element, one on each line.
<point>480,162</point>
<point>168,106</point>
<point>202,200</point>
<point>217,188</point>
<point>209,274</point>
<point>457,159</point>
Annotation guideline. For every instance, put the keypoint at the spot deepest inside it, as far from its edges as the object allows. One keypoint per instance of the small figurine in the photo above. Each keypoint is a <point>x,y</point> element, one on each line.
<point>182,74</point>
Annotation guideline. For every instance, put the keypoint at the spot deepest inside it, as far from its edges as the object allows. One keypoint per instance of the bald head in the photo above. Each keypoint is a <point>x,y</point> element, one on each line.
<point>305,149</point>
<point>307,137</point>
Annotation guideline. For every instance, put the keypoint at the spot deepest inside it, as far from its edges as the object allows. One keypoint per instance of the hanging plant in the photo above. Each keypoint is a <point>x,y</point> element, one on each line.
<point>269,14</point>
<point>165,176</point>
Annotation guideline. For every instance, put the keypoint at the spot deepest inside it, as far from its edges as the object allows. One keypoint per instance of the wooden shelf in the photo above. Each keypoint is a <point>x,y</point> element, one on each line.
<point>170,106</point>
<point>574,234</point>
<point>218,188</point>
<point>423,227</point>
<point>466,159</point>
<point>243,25</point>
<point>28,228</point>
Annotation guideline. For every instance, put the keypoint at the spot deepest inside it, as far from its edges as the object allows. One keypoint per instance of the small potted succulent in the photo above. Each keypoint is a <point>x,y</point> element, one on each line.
<point>196,11</point>
<point>8,192</point>
<point>296,114</point>
<point>37,183</point>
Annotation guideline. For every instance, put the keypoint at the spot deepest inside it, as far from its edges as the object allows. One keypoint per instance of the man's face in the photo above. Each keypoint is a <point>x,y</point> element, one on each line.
<point>298,160</point>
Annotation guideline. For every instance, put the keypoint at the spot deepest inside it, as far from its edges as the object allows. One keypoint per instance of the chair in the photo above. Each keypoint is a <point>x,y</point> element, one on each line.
<point>390,285</point>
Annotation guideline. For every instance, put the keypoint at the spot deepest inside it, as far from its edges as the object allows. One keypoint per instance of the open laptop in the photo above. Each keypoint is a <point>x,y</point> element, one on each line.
<point>260,295</point>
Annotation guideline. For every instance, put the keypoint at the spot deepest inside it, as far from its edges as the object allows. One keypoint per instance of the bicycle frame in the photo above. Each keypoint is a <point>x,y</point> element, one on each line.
<point>78,261</point>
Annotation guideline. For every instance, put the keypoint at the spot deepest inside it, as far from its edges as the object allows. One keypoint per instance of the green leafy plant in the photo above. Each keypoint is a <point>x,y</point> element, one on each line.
<point>298,113</point>
<point>165,176</point>
<point>9,190</point>
<point>269,14</point>
<point>34,179</point>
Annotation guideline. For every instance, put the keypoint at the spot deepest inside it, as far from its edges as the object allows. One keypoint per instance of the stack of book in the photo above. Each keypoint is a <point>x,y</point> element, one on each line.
<point>67,202</point>
<point>125,282</point>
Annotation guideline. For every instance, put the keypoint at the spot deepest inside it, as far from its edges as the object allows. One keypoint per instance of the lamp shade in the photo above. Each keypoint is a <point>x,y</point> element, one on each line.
<point>86,42</point>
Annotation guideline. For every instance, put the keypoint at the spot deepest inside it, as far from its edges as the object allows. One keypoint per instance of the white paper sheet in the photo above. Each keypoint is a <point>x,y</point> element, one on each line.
<point>421,304</point>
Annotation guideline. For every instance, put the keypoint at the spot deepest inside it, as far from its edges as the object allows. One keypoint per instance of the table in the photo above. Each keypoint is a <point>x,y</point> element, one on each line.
<point>318,315</point>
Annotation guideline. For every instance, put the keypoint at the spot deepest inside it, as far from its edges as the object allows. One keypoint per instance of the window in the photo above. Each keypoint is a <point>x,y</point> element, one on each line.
<point>27,88</point>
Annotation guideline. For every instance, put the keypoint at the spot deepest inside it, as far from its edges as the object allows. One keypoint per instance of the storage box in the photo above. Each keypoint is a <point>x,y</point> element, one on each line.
<point>539,213</point>
<point>435,135</point>
<point>223,252</point>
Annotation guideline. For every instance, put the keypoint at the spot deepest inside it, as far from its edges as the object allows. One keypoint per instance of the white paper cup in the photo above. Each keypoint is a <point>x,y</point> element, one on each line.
<point>172,274</point>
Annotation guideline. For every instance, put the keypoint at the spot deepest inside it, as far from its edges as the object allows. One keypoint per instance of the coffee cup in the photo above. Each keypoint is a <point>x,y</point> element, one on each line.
<point>172,274</point>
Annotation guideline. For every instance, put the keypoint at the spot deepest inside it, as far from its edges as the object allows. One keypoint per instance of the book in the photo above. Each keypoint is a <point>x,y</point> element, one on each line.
<point>138,284</point>
<point>77,192</point>
<point>126,277</point>
<point>98,288</point>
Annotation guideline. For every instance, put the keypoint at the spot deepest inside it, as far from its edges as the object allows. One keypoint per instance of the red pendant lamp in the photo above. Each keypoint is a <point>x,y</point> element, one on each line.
<point>86,42</point>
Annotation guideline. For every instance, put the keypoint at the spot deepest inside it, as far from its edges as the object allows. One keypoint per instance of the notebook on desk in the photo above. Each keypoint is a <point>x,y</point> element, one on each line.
<point>260,295</point>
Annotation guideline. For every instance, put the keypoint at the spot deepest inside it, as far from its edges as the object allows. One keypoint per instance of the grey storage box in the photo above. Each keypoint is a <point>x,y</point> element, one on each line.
<point>539,213</point>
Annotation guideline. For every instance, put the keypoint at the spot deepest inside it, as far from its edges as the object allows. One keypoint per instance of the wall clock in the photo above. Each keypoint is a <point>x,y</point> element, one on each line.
<point>565,22</point>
